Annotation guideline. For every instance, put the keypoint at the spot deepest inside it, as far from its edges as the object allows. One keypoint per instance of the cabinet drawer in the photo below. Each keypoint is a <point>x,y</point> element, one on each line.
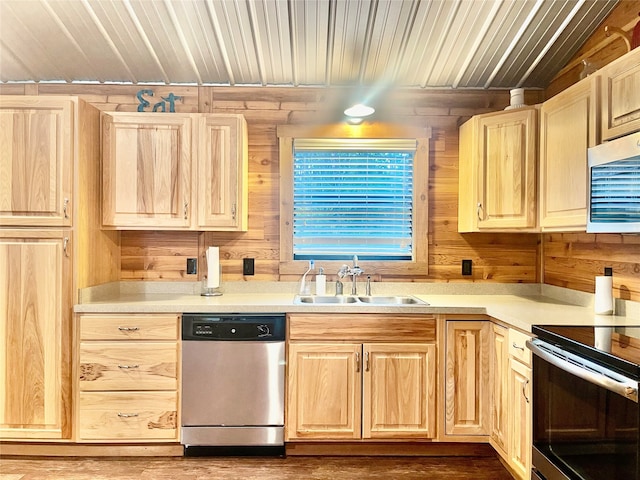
<point>129,327</point>
<point>517,347</point>
<point>128,366</point>
<point>362,328</point>
<point>128,416</point>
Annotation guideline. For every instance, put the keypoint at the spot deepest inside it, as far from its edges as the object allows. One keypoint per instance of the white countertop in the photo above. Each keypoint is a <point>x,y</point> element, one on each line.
<point>519,306</point>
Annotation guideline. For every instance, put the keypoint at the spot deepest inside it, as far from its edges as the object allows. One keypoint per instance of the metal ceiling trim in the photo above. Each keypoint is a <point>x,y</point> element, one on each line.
<point>183,41</point>
<point>221,43</point>
<point>551,41</point>
<point>441,41</point>
<point>479,40</point>
<point>514,42</point>
<point>257,43</point>
<point>404,42</point>
<point>295,47</point>
<point>67,35</point>
<point>105,35</point>
<point>145,39</point>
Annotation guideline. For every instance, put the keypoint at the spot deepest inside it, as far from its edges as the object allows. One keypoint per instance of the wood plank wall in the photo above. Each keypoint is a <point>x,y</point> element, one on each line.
<point>162,255</point>
<point>572,260</point>
<point>568,260</point>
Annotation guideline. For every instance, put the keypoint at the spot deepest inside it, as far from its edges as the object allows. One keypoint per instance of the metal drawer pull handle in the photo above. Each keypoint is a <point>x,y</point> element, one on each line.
<point>366,356</point>
<point>126,367</point>
<point>127,415</point>
<point>586,370</point>
<point>357,362</point>
<point>128,329</point>
<point>186,210</point>
<point>524,390</point>
<point>65,208</point>
<point>478,211</point>
<point>515,345</point>
<point>65,246</point>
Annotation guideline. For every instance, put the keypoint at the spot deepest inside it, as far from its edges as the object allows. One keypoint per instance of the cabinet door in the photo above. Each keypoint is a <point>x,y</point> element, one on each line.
<point>35,294</point>
<point>499,388</point>
<point>324,391</point>
<point>621,96</point>
<point>399,394</point>
<point>520,418</point>
<point>36,159</point>
<point>466,378</point>
<point>507,170</point>
<point>146,171</point>
<point>567,129</point>
<point>222,172</point>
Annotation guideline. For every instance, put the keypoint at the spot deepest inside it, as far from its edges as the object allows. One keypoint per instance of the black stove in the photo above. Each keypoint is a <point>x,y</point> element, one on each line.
<point>617,348</point>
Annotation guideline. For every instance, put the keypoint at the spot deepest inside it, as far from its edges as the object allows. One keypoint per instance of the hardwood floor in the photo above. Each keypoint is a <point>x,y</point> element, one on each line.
<point>253,468</point>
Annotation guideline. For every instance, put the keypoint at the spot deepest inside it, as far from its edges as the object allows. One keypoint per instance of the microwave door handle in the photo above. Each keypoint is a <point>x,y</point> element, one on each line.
<point>626,387</point>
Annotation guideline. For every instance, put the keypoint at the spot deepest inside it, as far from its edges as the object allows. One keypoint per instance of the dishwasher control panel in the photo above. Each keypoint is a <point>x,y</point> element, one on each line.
<point>233,327</point>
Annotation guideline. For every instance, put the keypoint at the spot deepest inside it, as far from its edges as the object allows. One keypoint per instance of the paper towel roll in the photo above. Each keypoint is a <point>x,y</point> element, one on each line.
<point>603,303</point>
<point>213,267</point>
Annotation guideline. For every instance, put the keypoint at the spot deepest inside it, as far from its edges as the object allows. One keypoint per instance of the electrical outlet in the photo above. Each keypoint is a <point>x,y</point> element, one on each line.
<point>467,268</point>
<point>248,266</point>
<point>192,266</point>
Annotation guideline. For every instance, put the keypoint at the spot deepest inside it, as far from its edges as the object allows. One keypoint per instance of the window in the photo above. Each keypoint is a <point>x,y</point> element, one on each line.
<point>353,196</point>
<point>354,190</point>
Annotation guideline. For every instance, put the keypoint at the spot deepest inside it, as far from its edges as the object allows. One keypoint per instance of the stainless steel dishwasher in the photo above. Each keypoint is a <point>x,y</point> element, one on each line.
<point>233,368</point>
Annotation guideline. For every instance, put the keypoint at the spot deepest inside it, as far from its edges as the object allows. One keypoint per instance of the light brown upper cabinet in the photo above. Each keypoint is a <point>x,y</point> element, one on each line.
<point>36,159</point>
<point>174,171</point>
<point>568,127</point>
<point>620,96</point>
<point>497,176</point>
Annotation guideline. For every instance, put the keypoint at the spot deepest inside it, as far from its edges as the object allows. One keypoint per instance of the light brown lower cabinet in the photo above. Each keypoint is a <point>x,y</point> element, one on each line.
<point>346,389</point>
<point>35,294</point>
<point>466,377</point>
<point>127,378</point>
<point>511,420</point>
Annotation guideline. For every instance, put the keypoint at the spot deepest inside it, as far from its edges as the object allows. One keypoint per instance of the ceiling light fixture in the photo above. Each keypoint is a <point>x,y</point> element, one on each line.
<point>359,110</point>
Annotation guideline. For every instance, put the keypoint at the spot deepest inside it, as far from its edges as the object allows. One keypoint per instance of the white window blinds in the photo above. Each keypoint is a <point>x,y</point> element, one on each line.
<point>353,197</point>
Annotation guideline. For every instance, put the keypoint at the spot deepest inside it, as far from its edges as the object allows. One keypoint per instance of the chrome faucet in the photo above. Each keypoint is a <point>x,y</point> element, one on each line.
<point>353,272</point>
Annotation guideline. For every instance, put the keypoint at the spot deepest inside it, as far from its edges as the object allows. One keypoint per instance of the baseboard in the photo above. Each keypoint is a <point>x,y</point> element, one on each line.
<point>389,449</point>
<point>90,450</point>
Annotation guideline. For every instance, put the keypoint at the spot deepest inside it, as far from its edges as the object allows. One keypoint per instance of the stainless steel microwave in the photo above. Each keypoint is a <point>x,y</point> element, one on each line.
<point>614,186</point>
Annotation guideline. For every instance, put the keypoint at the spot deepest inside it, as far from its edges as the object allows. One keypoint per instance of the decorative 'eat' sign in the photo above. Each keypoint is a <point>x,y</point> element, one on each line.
<point>160,106</point>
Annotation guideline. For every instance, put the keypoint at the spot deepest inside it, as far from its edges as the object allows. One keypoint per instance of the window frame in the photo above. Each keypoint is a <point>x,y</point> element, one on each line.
<point>418,265</point>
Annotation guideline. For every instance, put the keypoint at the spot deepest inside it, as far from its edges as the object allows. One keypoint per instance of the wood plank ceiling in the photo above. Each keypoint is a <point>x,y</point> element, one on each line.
<point>405,43</point>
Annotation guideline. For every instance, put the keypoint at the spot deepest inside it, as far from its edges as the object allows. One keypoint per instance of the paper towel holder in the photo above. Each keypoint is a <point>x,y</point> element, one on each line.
<point>210,291</point>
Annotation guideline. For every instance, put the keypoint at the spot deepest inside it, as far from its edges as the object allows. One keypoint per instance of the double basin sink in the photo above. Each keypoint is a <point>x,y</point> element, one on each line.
<point>357,300</point>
